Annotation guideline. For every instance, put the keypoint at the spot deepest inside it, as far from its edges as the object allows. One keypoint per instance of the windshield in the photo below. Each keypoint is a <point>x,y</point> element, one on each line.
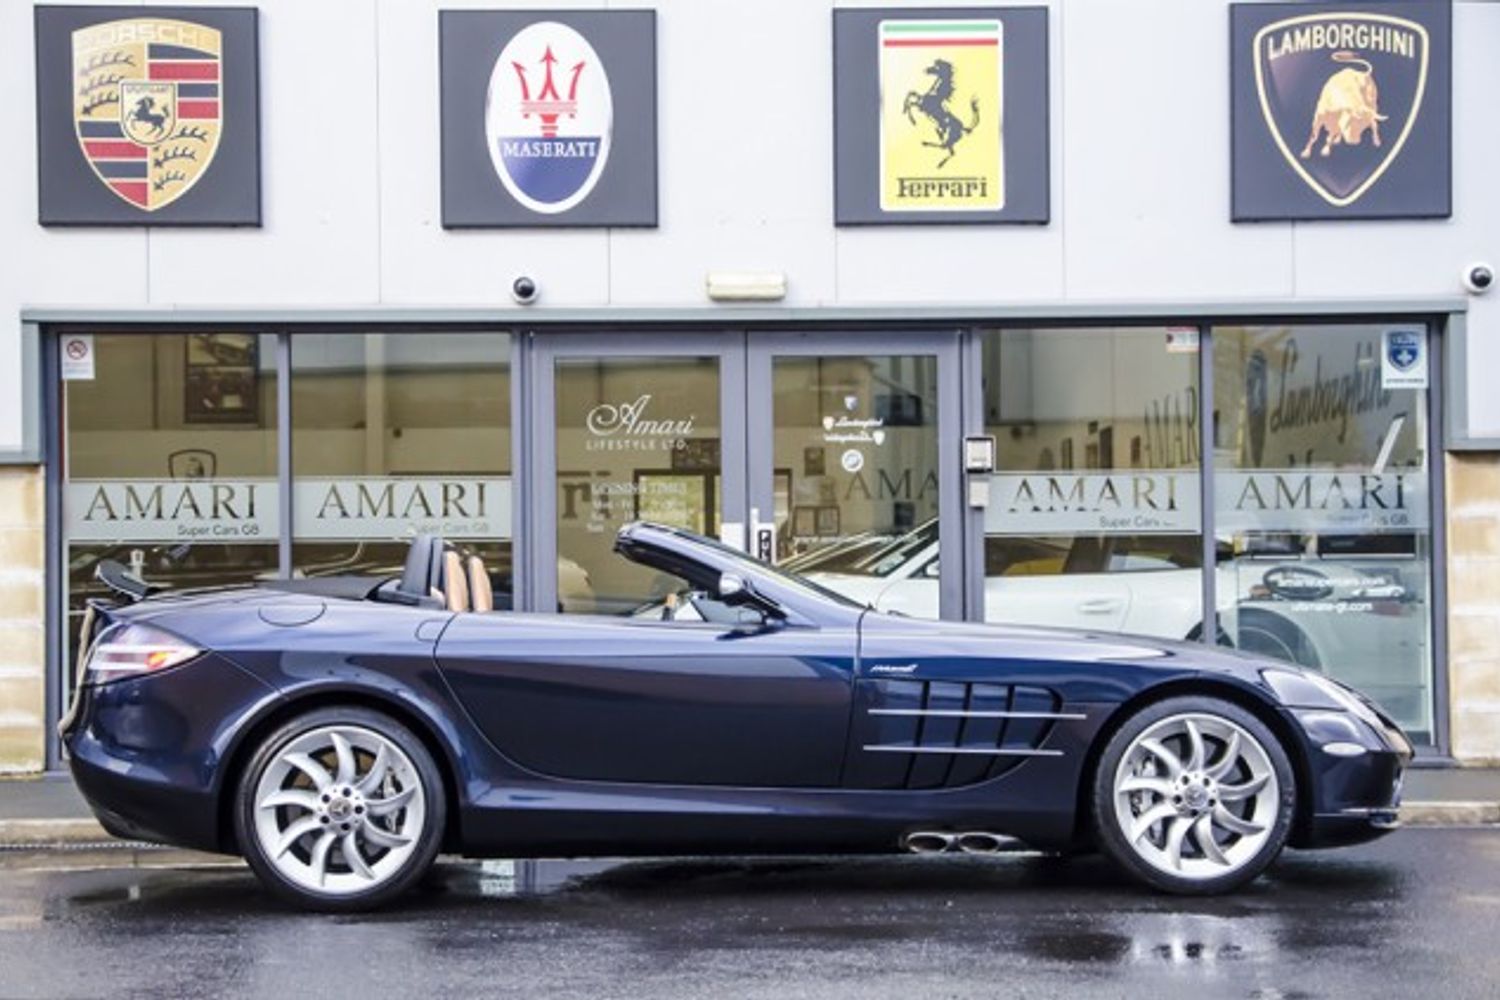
<point>791,580</point>
<point>867,555</point>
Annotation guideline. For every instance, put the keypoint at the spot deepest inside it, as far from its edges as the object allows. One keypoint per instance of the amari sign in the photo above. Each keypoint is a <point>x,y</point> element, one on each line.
<point>1144,502</point>
<point>549,118</point>
<point>121,511</point>
<point>1341,110</point>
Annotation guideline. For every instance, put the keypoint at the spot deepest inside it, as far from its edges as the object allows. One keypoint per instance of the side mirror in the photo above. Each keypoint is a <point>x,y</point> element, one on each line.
<point>736,591</point>
<point>733,588</point>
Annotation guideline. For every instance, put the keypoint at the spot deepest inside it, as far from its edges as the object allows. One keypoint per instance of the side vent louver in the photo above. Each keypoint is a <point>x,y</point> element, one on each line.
<point>942,734</point>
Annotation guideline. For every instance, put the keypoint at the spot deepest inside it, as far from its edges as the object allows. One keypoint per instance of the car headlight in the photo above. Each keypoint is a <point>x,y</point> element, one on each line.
<point>1305,689</point>
<point>129,649</point>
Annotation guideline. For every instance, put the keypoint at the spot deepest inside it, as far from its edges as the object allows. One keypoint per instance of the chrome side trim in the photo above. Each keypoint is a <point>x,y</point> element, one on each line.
<point>993,752</point>
<point>961,713</point>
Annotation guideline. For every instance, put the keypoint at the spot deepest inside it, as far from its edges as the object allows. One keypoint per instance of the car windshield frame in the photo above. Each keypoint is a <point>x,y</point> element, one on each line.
<point>758,568</point>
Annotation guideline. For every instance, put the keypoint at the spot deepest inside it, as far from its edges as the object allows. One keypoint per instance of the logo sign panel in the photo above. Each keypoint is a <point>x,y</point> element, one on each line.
<point>120,511</point>
<point>1143,502</point>
<point>396,507</point>
<point>531,100</point>
<point>1302,500</point>
<point>940,130</point>
<point>548,145</point>
<point>1341,111</point>
<point>162,107</point>
<point>77,357</point>
<point>1137,502</point>
<point>1403,358</point>
<point>940,115</point>
<point>172,510</point>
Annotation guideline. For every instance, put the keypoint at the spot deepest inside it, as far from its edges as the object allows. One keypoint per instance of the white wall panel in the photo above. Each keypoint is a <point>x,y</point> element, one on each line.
<point>745,153</point>
<point>319,172</point>
<point>1145,128</point>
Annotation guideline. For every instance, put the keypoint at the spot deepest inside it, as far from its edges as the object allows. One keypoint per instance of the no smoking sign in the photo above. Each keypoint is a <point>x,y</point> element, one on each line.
<point>78,357</point>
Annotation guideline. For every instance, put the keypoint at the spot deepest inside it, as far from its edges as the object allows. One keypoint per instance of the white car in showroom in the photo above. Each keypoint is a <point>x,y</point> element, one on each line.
<point>1284,598</point>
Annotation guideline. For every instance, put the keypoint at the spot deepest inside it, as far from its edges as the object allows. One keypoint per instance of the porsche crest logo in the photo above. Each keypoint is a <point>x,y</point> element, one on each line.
<point>148,105</point>
<point>1340,93</point>
<point>940,130</point>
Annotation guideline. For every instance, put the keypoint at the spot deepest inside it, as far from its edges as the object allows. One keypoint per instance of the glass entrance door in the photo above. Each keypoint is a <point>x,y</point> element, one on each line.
<point>630,428</point>
<point>853,463</point>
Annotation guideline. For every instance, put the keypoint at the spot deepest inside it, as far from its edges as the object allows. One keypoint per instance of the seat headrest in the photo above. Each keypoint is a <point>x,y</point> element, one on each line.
<point>481,593</point>
<point>455,583</point>
<point>423,572</point>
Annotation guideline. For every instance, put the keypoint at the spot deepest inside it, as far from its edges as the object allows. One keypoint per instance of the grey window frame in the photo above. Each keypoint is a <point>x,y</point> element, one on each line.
<point>41,387</point>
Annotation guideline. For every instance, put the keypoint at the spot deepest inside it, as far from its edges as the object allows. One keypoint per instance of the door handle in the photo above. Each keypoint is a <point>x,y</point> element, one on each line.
<point>1100,606</point>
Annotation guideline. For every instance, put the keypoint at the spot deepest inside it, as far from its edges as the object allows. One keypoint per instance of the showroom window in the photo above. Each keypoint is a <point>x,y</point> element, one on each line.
<point>169,452</point>
<point>1094,513</point>
<point>1322,509</point>
<point>395,434</point>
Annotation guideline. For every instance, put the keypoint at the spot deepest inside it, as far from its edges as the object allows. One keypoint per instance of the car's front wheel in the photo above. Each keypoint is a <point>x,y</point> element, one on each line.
<point>1193,795</point>
<point>340,809</point>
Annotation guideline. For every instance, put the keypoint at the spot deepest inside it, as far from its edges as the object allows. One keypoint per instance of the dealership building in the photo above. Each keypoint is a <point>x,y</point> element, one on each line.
<point>1169,317</point>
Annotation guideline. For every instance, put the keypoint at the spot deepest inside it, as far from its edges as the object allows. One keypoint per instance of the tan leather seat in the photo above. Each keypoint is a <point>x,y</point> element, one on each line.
<point>481,594</point>
<point>455,582</point>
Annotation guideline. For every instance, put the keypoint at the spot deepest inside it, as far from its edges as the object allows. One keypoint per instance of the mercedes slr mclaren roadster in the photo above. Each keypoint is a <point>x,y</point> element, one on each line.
<point>339,733</point>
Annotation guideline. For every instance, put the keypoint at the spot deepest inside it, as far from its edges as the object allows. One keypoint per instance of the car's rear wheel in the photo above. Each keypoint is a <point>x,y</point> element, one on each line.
<point>340,809</point>
<point>1193,795</point>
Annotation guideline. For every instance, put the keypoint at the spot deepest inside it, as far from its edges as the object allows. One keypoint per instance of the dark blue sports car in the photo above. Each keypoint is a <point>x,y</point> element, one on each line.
<point>339,733</point>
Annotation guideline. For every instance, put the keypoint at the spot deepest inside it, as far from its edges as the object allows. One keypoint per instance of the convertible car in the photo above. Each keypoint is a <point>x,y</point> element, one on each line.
<point>338,733</point>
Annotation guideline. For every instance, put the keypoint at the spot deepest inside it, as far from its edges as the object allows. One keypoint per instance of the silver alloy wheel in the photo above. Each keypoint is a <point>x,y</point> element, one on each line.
<point>1196,796</point>
<point>339,810</point>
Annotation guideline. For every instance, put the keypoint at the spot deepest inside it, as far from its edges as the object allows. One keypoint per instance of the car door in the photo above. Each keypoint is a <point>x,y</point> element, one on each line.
<point>1034,584</point>
<point>646,700</point>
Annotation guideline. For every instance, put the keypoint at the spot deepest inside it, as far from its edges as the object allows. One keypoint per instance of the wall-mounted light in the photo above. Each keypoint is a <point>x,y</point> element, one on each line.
<point>741,286</point>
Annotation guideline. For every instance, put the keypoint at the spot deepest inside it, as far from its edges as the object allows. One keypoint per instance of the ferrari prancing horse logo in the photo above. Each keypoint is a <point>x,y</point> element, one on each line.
<point>148,105</point>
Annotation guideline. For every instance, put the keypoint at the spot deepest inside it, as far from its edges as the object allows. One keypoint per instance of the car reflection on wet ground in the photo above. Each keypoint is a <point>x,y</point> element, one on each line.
<point>1419,910</point>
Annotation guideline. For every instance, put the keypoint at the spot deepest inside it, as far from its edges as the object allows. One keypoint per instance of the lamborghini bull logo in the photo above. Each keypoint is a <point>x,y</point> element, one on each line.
<point>1344,108</point>
<point>1348,107</point>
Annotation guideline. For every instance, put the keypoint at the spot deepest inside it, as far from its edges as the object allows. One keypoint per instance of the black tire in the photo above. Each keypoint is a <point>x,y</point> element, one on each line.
<point>1107,823</point>
<point>427,842</point>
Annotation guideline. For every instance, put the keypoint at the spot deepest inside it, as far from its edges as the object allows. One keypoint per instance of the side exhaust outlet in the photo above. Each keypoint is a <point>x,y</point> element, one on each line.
<point>928,842</point>
<point>981,842</point>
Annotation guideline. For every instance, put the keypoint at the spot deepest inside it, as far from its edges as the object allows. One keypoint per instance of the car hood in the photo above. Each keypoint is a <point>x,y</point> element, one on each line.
<point>1077,645</point>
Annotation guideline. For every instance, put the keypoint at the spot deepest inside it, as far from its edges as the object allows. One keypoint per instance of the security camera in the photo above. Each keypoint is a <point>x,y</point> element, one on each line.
<point>1479,278</point>
<point>524,290</point>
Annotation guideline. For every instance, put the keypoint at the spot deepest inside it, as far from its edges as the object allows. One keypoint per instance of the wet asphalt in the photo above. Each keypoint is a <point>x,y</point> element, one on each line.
<point>1418,912</point>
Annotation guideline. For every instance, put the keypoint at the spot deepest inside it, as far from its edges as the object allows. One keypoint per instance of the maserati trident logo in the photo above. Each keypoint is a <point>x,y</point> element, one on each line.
<point>147,105</point>
<point>1340,93</point>
<point>548,117</point>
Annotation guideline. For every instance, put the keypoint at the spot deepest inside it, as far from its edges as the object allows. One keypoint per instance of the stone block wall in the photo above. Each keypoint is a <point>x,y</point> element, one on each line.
<point>22,614</point>
<point>1474,605</point>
